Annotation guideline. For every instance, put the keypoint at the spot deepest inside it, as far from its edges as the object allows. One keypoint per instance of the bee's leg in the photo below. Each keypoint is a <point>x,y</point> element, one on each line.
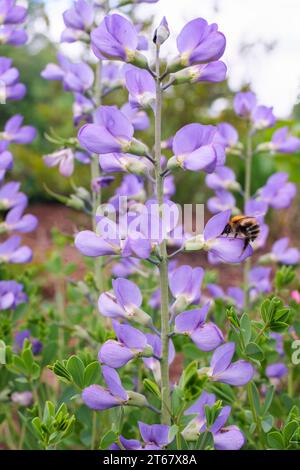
<point>226,230</point>
<point>246,243</point>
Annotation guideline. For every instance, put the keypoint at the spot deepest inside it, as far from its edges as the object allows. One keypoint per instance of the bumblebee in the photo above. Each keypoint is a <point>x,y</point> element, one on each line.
<point>244,226</point>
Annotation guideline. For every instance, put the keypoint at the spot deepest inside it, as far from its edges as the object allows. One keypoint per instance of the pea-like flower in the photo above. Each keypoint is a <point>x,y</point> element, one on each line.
<point>16,221</point>
<point>227,135</point>
<point>283,142</point>
<point>195,149</point>
<point>276,370</point>
<point>138,118</point>
<point>132,343</point>
<point>10,13</point>
<point>185,285</point>
<point>12,252</point>
<point>263,117</point>
<point>233,295</point>
<point>224,438</point>
<point>153,363</point>
<point>12,36</point>
<point>200,43</point>
<point>222,370</point>
<point>278,192</point>
<point>282,254</point>
<point>6,160</point>
<point>244,104</point>
<point>78,21</point>
<point>11,294</point>
<point>9,78</point>
<point>124,302</point>
<point>10,196</point>
<point>259,281</point>
<point>15,133</point>
<point>223,178</point>
<point>206,335</point>
<point>222,201</point>
<point>141,87</point>
<point>37,346</point>
<point>155,437</point>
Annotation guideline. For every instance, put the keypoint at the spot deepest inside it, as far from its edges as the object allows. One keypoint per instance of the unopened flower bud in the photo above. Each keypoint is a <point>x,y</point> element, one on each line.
<point>161,33</point>
<point>136,399</point>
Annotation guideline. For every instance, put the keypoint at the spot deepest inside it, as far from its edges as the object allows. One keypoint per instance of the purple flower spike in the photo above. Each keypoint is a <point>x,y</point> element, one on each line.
<point>244,104</point>
<point>10,13</point>
<point>195,149</point>
<point>185,285</point>
<point>200,43</point>
<point>131,344</point>
<point>282,254</point>
<point>222,370</point>
<point>206,336</point>
<point>11,294</point>
<point>141,87</point>
<point>112,132</point>
<point>155,436</point>
<point>115,38</point>
<point>276,370</point>
<point>11,252</point>
<point>100,398</point>
<point>15,133</point>
<point>282,142</point>
<point>263,117</point>
<point>278,192</point>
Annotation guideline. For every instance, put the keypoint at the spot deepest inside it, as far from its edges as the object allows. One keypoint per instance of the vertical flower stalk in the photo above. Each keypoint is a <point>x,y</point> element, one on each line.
<point>163,266</point>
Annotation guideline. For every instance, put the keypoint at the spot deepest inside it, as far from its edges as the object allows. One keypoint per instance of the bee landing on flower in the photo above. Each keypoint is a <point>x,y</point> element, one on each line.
<point>245,226</point>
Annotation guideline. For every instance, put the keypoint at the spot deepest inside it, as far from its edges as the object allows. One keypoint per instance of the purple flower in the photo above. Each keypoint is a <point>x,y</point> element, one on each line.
<point>138,118</point>
<point>10,13</point>
<point>225,438</point>
<point>195,149</point>
<point>115,38</point>
<point>227,135</point>
<point>125,267</point>
<point>222,178</point>
<point>11,294</point>
<point>153,362</point>
<point>185,285</point>
<point>234,295</point>
<point>276,370</point>
<point>15,133</point>
<point>10,196</point>
<point>127,444</point>
<point>232,373</point>
<point>244,104</point>
<point>278,338</point>
<point>22,398</point>
<point>161,33</point>
<point>101,182</point>
<point>78,21</point>
<point>112,132</point>
<point>11,252</point>
<point>262,117</point>
<point>282,142</point>
<point>9,79</point>
<point>83,108</point>
<point>228,249</point>
<point>124,302</point>
<point>20,337</point>
<point>206,336</point>
<point>278,192</point>
<point>12,36</point>
<point>63,158</point>
<point>282,254</point>
<point>222,201</point>
<point>212,72</point>
<point>155,436</point>
<point>16,221</point>
<point>200,43</point>
<point>259,281</point>
<point>99,398</point>
<point>6,161</point>
<point>141,87</point>
<point>132,187</point>
<point>131,344</point>
<point>75,77</point>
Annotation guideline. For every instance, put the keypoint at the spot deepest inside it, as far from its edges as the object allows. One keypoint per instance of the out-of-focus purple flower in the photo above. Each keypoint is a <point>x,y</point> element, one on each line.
<point>169,186</point>
<point>227,135</point>
<point>63,158</point>
<point>195,149</point>
<point>259,281</point>
<point>115,38</point>
<point>282,254</point>
<point>138,118</point>
<point>223,370</point>
<point>263,117</point>
<point>99,398</point>
<point>10,13</point>
<point>125,267</point>
<point>233,295</point>
<point>222,178</point>
<point>83,108</point>
<point>244,104</point>
<point>78,21</point>
<point>9,79</point>
<point>6,160</point>
<point>16,221</point>
<point>132,187</point>
<point>15,133</point>
<point>101,182</point>
<point>111,74</point>
<point>155,436</point>
<point>22,398</point>
<point>283,142</point>
<point>161,33</point>
<point>206,336</point>
<point>256,208</point>
<point>141,87</point>
<point>124,302</point>
<point>37,346</point>
<point>185,285</point>
<point>222,201</point>
<point>200,43</point>
<point>75,77</point>
<point>279,342</point>
<point>276,370</point>
<point>228,249</point>
<point>131,344</point>
<point>12,36</point>
<point>278,191</point>
<point>12,252</point>
<point>111,132</point>
<point>127,444</point>
<point>10,196</point>
<point>153,363</point>
<point>225,438</point>
<point>11,294</point>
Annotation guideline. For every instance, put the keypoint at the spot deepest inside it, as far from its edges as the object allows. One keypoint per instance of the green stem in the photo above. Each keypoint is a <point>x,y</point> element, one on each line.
<point>94,430</point>
<point>22,436</point>
<point>163,265</point>
<point>247,195</point>
<point>254,414</point>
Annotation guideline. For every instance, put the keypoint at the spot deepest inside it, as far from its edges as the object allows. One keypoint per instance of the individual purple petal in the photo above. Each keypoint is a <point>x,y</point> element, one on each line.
<point>108,306</point>
<point>90,244</point>
<point>115,354</point>
<point>113,382</point>
<point>276,370</point>
<point>127,293</point>
<point>229,438</point>
<point>198,407</point>
<point>231,250</point>
<point>263,117</point>
<point>186,322</point>
<point>238,373</point>
<point>221,419</point>
<point>130,336</point>
<point>216,225</point>
<point>222,357</point>
<point>154,433</point>
<point>207,337</point>
<point>244,103</point>
<point>98,398</point>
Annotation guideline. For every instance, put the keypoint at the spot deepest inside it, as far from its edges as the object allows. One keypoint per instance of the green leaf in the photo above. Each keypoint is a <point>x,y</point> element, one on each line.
<point>2,352</point>
<point>289,430</point>
<point>91,373</point>
<point>60,370</point>
<point>267,423</point>
<point>275,440</point>
<point>152,387</point>
<point>108,439</point>
<point>256,400</point>
<point>76,368</point>
<point>172,432</point>
<point>254,351</point>
<point>268,399</point>
<point>245,326</point>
